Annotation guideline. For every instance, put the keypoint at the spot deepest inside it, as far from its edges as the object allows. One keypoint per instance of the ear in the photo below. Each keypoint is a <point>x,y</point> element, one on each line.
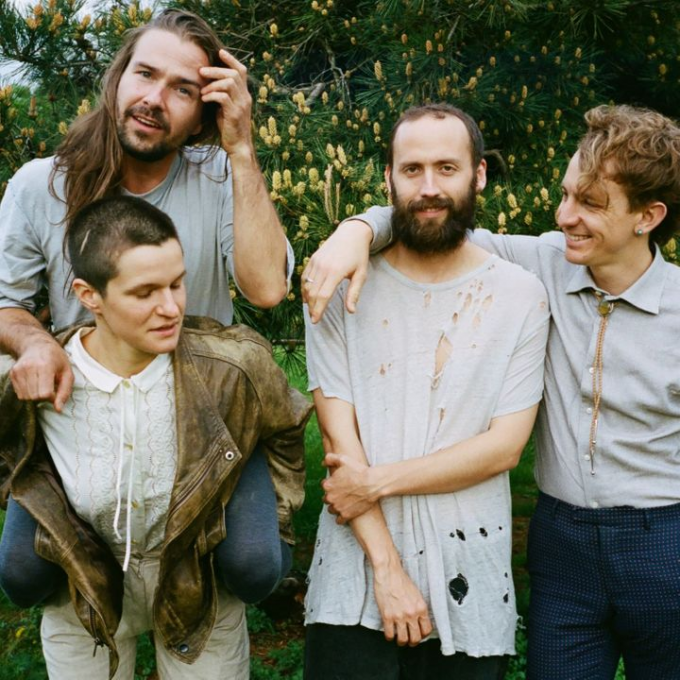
<point>481,176</point>
<point>651,216</point>
<point>388,183</point>
<point>87,295</point>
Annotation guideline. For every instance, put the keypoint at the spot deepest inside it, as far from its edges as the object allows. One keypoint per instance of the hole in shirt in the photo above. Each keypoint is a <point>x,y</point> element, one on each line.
<point>442,355</point>
<point>458,587</point>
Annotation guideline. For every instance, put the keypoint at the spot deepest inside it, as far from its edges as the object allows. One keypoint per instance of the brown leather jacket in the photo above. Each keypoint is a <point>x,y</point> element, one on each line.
<point>230,395</point>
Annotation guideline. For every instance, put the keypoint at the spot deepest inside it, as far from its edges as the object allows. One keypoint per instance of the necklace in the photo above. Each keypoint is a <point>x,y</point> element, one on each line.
<point>604,309</point>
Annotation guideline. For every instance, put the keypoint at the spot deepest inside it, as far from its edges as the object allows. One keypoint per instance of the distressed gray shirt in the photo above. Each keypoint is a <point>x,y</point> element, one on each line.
<point>637,456</point>
<point>196,194</point>
<point>427,366</point>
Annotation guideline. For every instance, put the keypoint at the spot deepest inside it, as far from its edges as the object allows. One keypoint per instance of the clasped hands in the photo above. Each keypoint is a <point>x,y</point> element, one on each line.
<point>350,490</point>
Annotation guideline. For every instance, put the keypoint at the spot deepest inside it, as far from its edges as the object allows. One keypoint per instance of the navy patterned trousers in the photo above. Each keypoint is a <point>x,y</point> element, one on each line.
<point>605,585</point>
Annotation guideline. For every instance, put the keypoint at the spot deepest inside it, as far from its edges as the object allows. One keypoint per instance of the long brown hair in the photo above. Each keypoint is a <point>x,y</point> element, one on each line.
<point>90,154</point>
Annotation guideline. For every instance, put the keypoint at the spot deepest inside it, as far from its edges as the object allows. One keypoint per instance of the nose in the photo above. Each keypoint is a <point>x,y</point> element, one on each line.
<point>429,187</point>
<point>566,214</point>
<point>154,94</point>
<point>168,305</point>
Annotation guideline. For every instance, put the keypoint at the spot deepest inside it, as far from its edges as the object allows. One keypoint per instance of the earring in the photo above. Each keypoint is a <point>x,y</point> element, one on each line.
<point>639,232</point>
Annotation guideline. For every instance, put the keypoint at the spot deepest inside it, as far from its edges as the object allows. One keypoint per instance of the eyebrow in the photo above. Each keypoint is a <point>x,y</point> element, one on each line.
<point>441,161</point>
<point>152,285</point>
<point>179,80</point>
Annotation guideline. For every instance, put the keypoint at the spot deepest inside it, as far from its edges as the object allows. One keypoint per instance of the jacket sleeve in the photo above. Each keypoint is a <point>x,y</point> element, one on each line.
<point>284,415</point>
<point>17,428</point>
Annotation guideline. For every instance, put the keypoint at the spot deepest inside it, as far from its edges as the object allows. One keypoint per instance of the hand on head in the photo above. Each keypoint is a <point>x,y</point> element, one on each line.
<point>229,89</point>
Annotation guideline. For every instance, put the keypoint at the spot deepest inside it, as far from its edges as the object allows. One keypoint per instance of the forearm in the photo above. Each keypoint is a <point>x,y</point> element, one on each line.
<point>403,610</point>
<point>369,528</point>
<point>259,241</point>
<point>456,467</point>
<point>373,535</point>
<point>20,330</point>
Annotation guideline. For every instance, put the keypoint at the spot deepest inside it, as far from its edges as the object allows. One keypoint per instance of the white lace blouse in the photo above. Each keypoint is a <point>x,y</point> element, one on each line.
<point>115,447</point>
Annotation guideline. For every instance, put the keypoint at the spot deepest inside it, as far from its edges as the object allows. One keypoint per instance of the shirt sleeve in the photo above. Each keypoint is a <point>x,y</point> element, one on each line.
<point>523,381</point>
<point>526,251</point>
<point>326,346</point>
<point>379,219</point>
<point>22,261</point>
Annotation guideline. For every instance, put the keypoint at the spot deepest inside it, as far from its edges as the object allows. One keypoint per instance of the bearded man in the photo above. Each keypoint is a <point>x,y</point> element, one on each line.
<point>172,126</point>
<point>426,397</point>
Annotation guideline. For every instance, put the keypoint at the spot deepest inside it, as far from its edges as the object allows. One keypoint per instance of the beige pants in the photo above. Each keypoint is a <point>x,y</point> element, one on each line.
<point>68,647</point>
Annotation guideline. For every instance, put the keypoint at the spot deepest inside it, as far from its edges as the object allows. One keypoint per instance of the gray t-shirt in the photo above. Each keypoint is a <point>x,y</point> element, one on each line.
<point>638,432</point>
<point>196,194</point>
<point>492,324</point>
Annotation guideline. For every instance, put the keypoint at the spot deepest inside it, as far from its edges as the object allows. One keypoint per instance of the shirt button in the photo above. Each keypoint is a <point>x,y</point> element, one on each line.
<point>126,384</point>
<point>591,370</point>
<point>229,455</point>
<point>183,648</point>
<point>589,410</point>
<point>128,447</point>
<point>594,505</point>
<point>586,457</point>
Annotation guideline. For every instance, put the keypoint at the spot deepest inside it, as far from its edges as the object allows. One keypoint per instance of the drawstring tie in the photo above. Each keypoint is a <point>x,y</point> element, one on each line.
<point>119,480</point>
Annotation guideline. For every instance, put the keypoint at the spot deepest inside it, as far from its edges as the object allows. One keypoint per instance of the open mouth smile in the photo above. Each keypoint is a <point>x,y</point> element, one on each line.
<point>148,122</point>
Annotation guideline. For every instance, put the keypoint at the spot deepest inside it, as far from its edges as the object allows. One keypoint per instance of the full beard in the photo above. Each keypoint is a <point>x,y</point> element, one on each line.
<point>135,145</point>
<point>429,236</point>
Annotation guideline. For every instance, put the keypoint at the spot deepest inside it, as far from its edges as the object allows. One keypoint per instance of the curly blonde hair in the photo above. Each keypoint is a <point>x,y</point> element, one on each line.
<point>638,149</point>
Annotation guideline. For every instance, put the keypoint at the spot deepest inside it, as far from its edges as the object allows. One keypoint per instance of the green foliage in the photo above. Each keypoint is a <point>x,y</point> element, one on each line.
<point>329,79</point>
<point>146,657</point>
<point>21,656</point>
<point>285,662</point>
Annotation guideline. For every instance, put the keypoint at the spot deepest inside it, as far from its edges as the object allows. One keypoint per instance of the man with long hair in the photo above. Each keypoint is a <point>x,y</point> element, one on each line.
<point>604,542</point>
<point>170,87</point>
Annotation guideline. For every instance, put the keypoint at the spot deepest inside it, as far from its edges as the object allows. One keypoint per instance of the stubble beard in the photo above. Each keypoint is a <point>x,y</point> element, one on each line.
<point>141,150</point>
<point>429,236</point>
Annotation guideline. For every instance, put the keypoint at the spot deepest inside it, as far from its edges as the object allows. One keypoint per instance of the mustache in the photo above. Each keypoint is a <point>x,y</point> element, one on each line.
<point>431,204</point>
<point>145,112</point>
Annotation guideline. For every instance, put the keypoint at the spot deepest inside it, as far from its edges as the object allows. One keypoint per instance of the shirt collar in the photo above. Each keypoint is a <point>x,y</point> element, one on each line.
<point>645,293</point>
<point>107,381</point>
